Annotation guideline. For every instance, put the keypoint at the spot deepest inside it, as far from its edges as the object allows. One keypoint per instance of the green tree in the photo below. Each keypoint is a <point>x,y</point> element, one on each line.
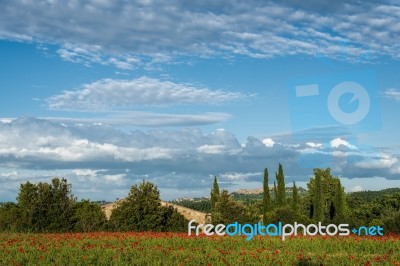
<point>172,220</point>
<point>46,207</point>
<point>27,202</point>
<point>266,196</point>
<point>326,197</point>
<point>295,199</point>
<point>281,189</point>
<point>88,217</point>
<point>214,193</point>
<point>340,204</point>
<point>318,202</point>
<point>228,210</point>
<point>60,202</point>
<point>9,217</point>
<point>140,211</point>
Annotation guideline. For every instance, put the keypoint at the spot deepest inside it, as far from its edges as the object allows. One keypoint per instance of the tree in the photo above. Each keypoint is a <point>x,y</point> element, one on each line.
<point>214,193</point>
<point>266,196</point>
<point>140,211</point>
<point>228,210</point>
<point>60,202</point>
<point>281,189</point>
<point>295,194</point>
<point>339,204</point>
<point>326,197</point>
<point>9,217</point>
<point>172,220</point>
<point>318,199</point>
<point>27,202</point>
<point>46,207</point>
<point>88,217</point>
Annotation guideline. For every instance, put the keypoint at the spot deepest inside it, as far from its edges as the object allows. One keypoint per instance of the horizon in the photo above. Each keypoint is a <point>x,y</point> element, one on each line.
<point>197,90</point>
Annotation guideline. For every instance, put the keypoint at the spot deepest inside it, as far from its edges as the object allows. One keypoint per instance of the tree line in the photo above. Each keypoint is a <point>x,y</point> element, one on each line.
<point>325,201</point>
<point>51,207</point>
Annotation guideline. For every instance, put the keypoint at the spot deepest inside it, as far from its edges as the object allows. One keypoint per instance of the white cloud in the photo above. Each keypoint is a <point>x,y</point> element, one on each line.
<point>88,30</point>
<point>9,175</point>
<point>118,94</point>
<point>314,145</point>
<point>93,55</point>
<point>268,142</point>
<point>147,119</point>
<point>234,176</point>
<point>212,149</point>
<point>85,172</point>
<point>98,158</point>
<point>337,142</point>
<point>392,94</point>
<point>383,161</point>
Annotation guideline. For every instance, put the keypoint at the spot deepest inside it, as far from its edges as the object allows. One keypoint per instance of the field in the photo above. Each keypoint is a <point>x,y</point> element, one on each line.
<point>180,249</point>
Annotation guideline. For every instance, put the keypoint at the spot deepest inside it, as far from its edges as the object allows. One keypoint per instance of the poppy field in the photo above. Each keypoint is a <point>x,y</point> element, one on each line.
<point>133,248</point>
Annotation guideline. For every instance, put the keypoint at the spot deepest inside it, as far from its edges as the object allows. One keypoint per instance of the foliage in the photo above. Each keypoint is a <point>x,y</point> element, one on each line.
<point>318,200</point>
<point>214,193</point>
<point>88,217</point>
<point>266,196</point>
<point>228,211</point>
<point>281,187</point>
<point>51,207</point>
<point>295,199</point>
<point>326,199</point>
<point>339,205</point>
<point>142,211</point>
<point>46,207</point>
<point>172,220</point>
<point>9,214</point>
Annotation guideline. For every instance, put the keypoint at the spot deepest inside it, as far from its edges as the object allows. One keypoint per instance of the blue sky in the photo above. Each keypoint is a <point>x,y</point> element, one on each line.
<point>108,93</point>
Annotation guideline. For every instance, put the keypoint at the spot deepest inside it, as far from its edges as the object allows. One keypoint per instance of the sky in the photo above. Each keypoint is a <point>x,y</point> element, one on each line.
<point>110,93</point>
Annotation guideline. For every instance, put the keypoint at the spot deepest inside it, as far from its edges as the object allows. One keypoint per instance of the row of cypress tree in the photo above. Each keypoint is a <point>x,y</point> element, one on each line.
<point>325,200</point>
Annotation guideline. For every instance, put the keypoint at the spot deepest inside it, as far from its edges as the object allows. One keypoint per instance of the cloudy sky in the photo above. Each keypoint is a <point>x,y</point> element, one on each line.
<point>108,93</point>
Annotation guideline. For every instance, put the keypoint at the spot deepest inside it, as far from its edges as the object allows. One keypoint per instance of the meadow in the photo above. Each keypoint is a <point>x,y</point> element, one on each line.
<point>147,248</point>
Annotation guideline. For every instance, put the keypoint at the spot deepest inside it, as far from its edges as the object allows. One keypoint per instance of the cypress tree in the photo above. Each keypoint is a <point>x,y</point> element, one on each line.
<point>214,193</point>
<point>340,203</point>
<point>275,193</point>
<point>281,190</point>
<point>266,196</point>
<point>318,199</point>
<point>295,198</point>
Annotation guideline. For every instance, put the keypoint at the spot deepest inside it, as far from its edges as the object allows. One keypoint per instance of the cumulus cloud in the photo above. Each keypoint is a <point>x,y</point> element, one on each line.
<point>314,145</point>
<point>211,149</point>
<point>382,161</point>
<point>86,30</point>
<point>268,142</point>
<point>118,94</point>
<point>338,142</point>
<point>110,159</point>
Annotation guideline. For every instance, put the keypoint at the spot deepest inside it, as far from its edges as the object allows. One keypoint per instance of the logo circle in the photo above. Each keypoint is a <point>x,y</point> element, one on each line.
<point>359,93</point>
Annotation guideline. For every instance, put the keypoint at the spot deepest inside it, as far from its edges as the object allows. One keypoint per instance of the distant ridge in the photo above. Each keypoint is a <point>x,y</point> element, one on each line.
<point>250,191</point>
<point>257,191</point>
